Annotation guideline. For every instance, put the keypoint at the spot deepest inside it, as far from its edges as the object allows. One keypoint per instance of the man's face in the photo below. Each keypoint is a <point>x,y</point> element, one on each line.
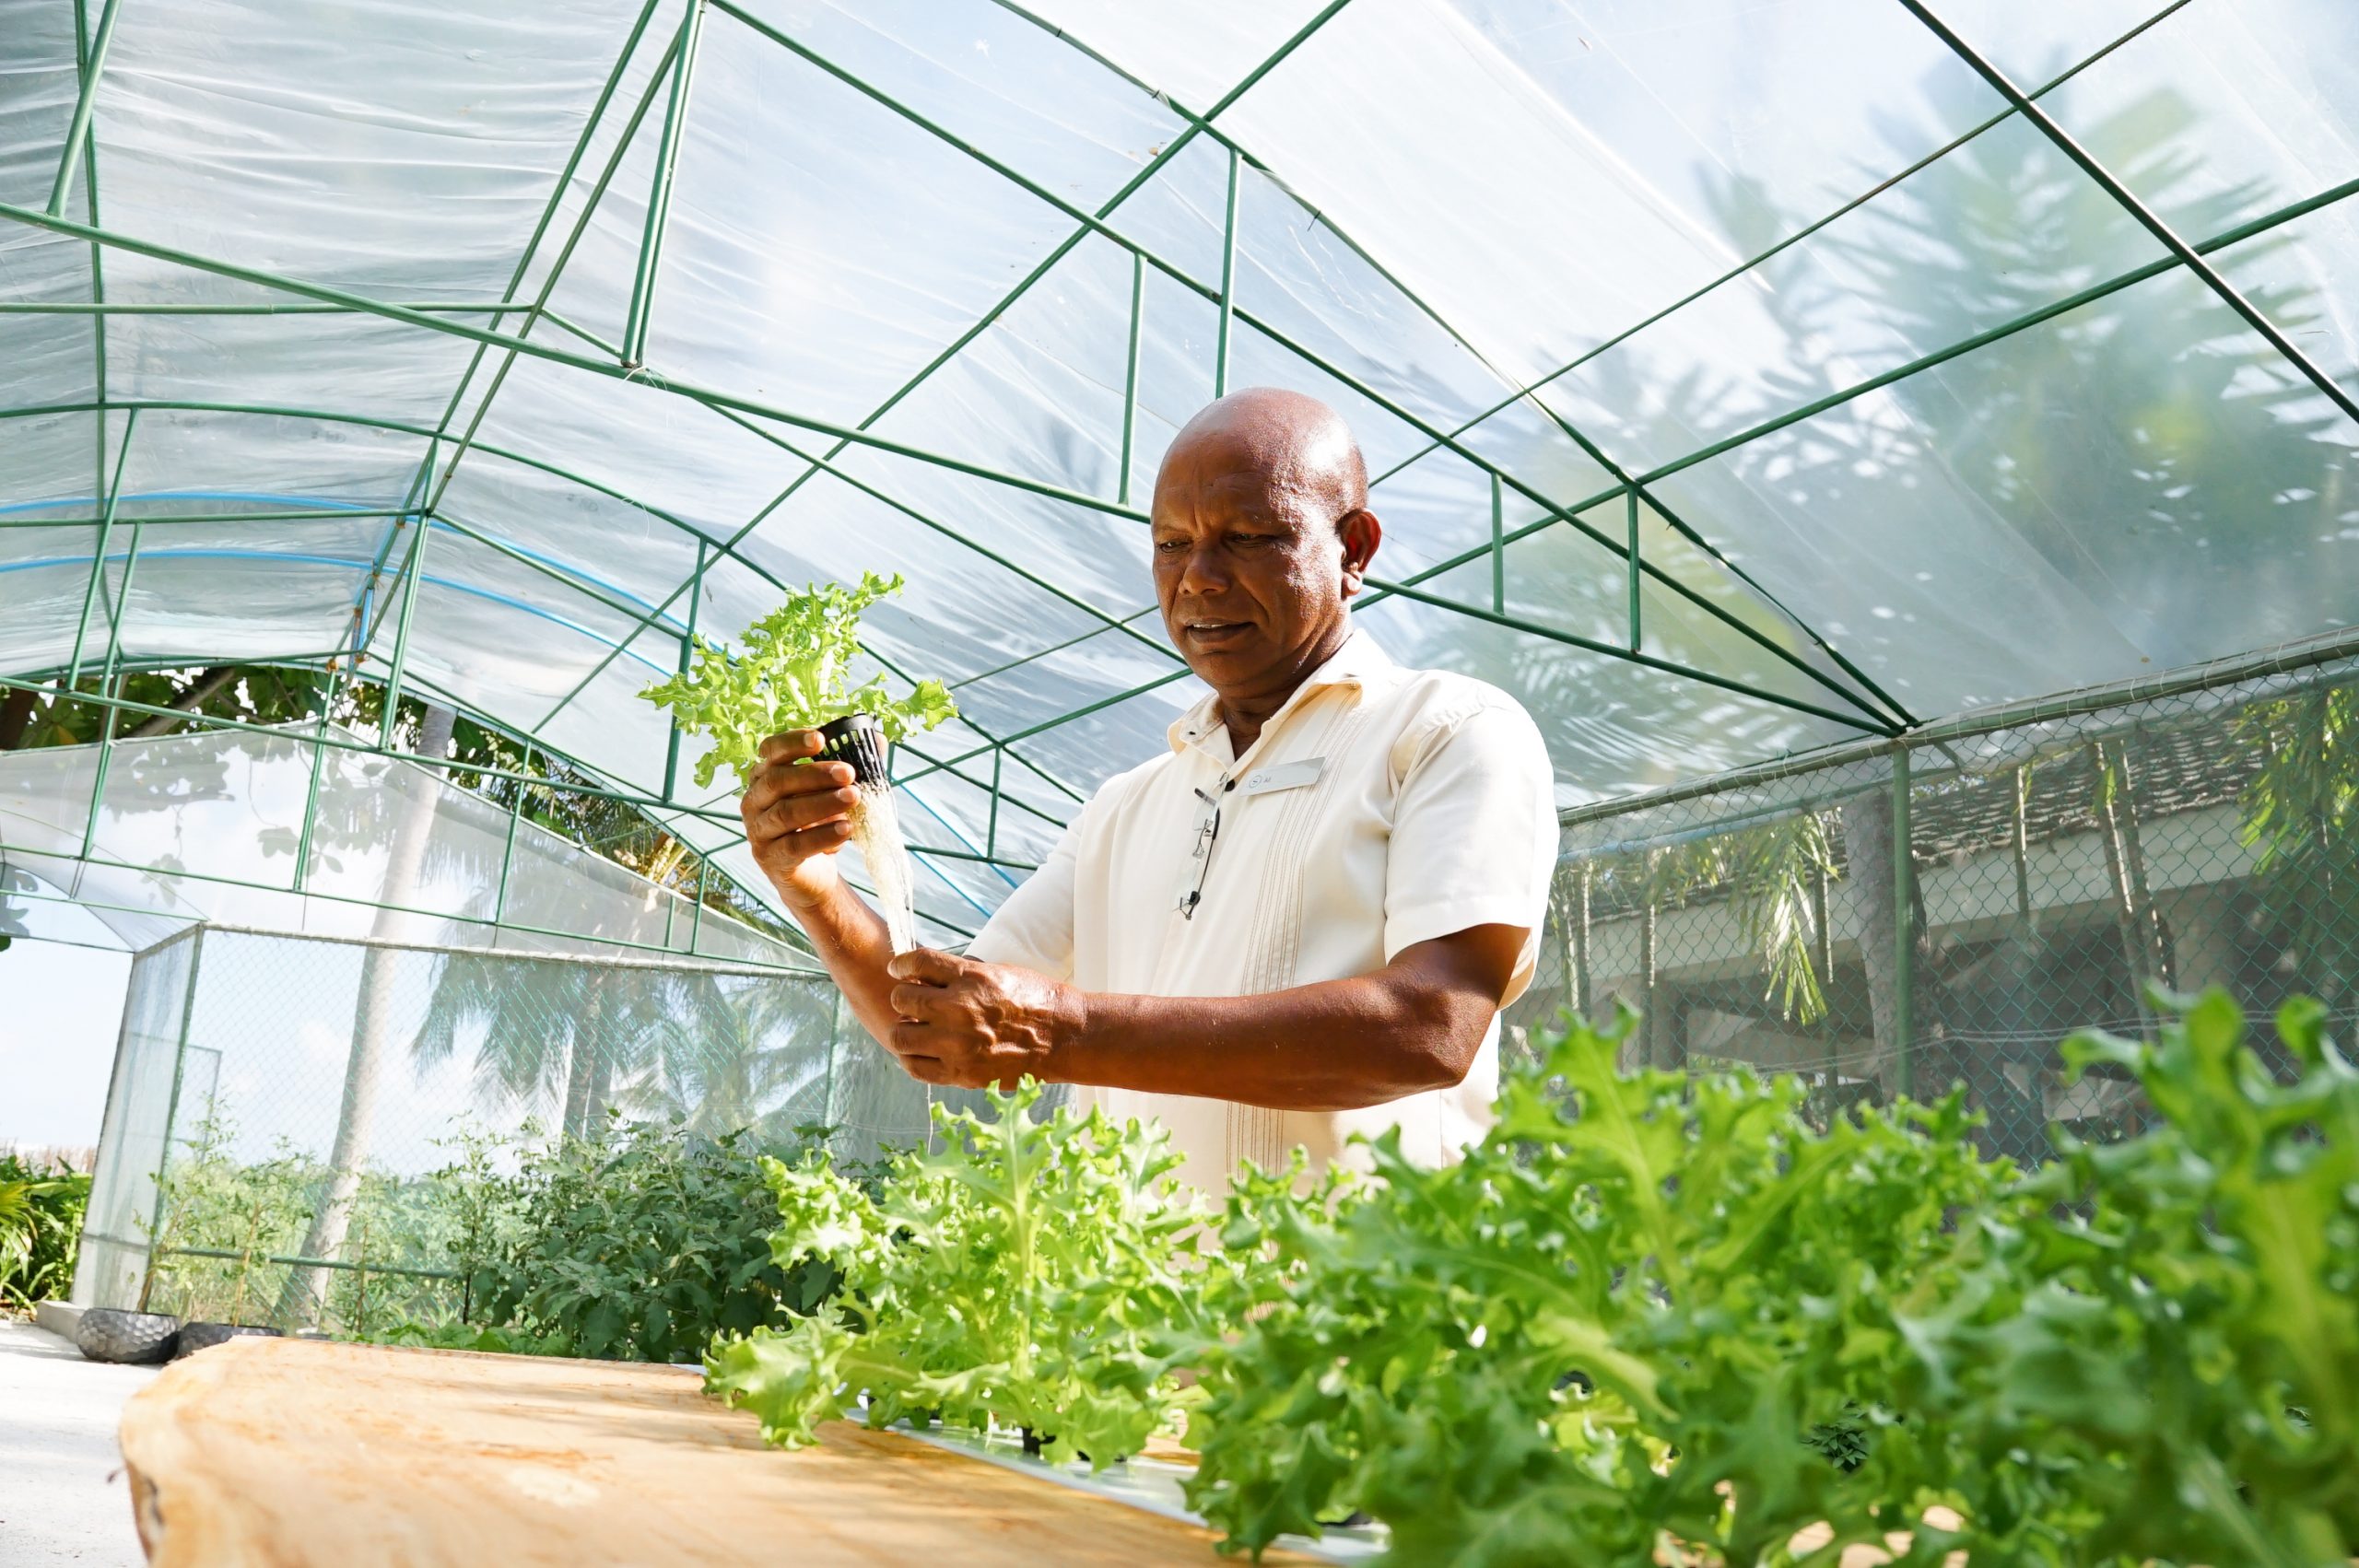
<point>1251,576</point>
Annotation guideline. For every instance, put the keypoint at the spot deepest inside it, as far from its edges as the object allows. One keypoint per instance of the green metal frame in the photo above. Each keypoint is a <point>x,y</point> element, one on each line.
<point>659,200</point>
<point>1851,699</point>
<point>93,61</point>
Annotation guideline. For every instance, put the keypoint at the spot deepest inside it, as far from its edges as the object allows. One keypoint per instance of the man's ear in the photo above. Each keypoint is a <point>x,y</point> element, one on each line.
<point>1362,534</point>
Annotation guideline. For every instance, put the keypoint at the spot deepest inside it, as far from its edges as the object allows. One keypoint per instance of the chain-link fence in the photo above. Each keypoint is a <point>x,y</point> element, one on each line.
<point>280,1103</point>
<point>2056,866</point>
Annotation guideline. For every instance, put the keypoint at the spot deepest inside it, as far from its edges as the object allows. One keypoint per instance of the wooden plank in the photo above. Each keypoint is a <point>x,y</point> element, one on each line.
<point>292,1453</point>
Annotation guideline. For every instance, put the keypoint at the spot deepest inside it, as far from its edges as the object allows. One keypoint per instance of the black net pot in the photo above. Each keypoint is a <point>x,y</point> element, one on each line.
<point>858,739</point>
<point>195,1337</point>
<point>139,1339</point>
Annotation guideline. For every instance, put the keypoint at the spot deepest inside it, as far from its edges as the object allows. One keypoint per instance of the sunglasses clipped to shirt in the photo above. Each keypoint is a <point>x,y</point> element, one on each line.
<point>1207,830</point>
<point>1261,781</point>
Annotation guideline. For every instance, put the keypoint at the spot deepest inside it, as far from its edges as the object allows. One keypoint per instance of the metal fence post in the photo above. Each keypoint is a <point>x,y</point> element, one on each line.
<point>1903,947</point>
<point>171,1115</point>
<point>312,791</point>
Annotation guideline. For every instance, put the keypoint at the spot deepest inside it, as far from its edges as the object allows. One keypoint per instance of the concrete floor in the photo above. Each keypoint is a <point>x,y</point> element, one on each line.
<point>63,1499</point>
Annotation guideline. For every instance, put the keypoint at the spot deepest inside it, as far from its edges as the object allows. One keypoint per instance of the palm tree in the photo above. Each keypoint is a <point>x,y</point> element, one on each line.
<point>735,1053</point>
<point>556,1031</point>
<point>409,842</point>
<point>2301,817</point>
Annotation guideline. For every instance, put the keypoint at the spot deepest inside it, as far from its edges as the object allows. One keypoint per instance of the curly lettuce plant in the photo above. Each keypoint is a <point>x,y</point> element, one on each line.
<point>789,672</point>
<point>1659,1317</point>
<point>1501,1358</point>
<point>1036,1273</point>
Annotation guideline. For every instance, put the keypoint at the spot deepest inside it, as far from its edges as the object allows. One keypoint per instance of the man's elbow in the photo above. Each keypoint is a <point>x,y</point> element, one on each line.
<point>1438,1050</point>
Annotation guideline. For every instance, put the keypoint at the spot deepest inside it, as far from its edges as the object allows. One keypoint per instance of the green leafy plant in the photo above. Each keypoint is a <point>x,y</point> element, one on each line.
<point>472,1337</point>
<point>2301,819</point>
<point>1036,1273</point>
<point>2172,1330</point>
<point>40,1225</point>
<point>789,672</point>
<point>1657,1319</point>
<point>223,1220</point>
<point>1501,1358</point>
<point>640,1244</point>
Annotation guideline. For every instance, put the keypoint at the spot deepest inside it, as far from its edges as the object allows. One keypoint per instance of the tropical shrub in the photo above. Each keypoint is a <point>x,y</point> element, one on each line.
<point>40,1226</point>
<point>224,1220</point>
<point>640,1244</point>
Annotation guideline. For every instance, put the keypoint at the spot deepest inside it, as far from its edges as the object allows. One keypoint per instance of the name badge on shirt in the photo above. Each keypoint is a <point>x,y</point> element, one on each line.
<point>1283,776</point>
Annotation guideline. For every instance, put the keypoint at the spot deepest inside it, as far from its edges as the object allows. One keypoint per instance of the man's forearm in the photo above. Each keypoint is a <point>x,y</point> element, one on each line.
<point>1338,1044</point>
<point>852,943</point>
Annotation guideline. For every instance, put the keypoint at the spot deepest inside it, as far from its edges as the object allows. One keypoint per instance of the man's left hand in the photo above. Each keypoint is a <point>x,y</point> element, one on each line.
<point>966,1025</point>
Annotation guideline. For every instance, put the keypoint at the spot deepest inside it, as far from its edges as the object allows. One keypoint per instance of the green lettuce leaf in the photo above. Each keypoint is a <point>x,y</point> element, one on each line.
<point>789,672</point>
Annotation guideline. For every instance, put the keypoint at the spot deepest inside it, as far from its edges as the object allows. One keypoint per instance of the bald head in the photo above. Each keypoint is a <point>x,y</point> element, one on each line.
<point>1290,441</point>
<point>1261,536</point>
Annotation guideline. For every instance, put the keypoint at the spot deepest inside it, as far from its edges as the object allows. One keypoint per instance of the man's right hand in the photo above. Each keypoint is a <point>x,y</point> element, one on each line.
<point>797,813</point>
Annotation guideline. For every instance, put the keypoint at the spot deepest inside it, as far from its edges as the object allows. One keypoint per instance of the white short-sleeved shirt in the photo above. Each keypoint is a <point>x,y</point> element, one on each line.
<point>1378,808</point>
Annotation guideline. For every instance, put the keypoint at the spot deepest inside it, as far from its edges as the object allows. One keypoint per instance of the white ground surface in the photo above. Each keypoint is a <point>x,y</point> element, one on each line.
<point>63,1498</point>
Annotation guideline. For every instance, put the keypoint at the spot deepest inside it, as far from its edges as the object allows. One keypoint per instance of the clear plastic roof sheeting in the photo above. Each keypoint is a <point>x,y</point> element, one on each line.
<point>1741,378</point>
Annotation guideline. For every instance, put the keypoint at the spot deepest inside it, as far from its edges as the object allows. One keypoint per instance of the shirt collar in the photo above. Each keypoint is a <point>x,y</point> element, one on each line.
<point>1353,664</point>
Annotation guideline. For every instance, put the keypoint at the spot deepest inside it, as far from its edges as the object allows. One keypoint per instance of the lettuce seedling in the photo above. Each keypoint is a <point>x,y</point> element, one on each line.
<point>1033,1274</point>
<point>789,672</point>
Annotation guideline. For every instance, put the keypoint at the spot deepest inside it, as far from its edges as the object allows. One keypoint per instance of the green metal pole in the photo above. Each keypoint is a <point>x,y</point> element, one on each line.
<point>507,855</point>
<point>80,126</point>
<point>312,791</point>
<point>364,636</point>
<point>1498,547</point>
<point>659,198</point>
<point>1227,280</point>
<point>688,646</point>
<point>106,684</point>
<point>1615,650</point>
<point>99,560</point>
<point>97,261</point>
<point>1903,947</point>
<point>695,924</point>
<point>1632,561</point>
<point>991,829</point>
<point>247,308</point>
<point>410,574</point>
<point>172,1109</point>
<point>1130,378</point>
<point>2189,256</point>
<point>567,324</point>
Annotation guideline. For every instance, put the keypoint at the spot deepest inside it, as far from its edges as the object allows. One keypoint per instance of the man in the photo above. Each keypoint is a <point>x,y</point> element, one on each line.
<point>1298,923</point>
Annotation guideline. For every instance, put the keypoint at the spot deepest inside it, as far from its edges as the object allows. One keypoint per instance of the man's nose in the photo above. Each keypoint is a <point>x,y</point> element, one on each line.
<point>1201,572</point>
